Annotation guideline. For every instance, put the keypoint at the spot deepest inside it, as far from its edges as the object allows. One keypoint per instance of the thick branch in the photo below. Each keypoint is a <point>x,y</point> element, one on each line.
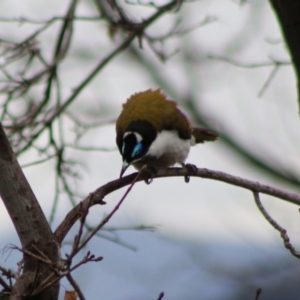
<point>18,197</point>
<point>288,12</point>
<point>24,209</point>
<point>112,186</point>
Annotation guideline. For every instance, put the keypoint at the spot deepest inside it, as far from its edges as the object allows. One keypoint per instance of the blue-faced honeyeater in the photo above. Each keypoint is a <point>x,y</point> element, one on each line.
<point>153,132</point>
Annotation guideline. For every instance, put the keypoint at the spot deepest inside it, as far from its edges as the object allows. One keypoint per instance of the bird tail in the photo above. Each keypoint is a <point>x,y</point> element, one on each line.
<point>202,135</point>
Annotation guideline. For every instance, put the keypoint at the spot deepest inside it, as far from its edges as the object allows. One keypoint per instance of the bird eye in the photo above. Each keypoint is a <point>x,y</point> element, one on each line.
<point>137,150</point>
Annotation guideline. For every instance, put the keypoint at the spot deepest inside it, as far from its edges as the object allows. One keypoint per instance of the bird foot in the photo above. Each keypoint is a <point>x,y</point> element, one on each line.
<point>190,167</point>
<point>149,172</point>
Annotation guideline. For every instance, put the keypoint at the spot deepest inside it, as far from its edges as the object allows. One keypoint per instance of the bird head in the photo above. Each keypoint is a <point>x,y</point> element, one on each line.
<point>133,149</point>
<point>136,142</point>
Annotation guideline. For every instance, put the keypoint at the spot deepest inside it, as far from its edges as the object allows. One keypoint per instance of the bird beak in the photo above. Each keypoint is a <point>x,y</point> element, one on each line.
<point>124,168</point>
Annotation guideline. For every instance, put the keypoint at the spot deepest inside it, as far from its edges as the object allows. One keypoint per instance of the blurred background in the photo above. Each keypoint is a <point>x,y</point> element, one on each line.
<point>226,64</point>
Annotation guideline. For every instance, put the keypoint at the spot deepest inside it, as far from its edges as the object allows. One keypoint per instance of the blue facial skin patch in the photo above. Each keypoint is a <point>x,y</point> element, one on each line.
<point>137,150</point>
<point>123,148</point>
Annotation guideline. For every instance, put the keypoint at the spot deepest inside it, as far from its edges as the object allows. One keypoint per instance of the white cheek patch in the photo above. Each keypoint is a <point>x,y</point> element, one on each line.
<point>137,136</point>
<point>169,143</point>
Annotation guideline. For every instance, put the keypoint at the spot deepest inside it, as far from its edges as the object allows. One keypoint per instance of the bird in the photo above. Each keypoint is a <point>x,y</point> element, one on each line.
<point>153,132</point>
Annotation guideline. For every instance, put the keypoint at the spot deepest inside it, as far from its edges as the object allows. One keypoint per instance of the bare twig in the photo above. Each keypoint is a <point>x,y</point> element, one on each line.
<point>77,238</point>
<point>48,282</point>
<point>58,270</point>
<point>140,227</point>
<point>75,286</point>
<point>8,274</point>
<point>115,240</point>
<point>51,20</point>
<point>258,292</point>
<point>90,148</point>
<point>273,63</point>
<point>160,296</point>
<point>109,216</point>
<point>269,80</point>
<point>88,258</point>
<point>38,161</point>
<point>275,225</point>
<point>4,284</point>
<point>250,65</point>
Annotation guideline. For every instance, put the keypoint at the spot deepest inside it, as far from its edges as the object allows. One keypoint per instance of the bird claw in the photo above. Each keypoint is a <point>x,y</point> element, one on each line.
<point>190,167</point>
<point>149,172</point>
<point>186,179</point>
<point>148,180</point>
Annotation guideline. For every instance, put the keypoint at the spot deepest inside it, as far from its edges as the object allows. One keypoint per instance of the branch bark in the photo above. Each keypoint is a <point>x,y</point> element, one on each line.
<point>29,221</point>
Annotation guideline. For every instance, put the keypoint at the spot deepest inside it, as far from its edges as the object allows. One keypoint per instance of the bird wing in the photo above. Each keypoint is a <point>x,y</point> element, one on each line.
<point>202,135</point>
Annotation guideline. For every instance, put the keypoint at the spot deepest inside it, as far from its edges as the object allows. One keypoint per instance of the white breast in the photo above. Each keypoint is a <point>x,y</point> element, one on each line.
<point>170,147</point>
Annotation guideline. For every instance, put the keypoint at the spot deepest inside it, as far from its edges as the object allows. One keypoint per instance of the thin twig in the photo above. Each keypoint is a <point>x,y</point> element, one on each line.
<point>258,292</point>
<point>75,286</point>
<point>88,258</point>
<point>109,216</point>
<point>90,148</point>
<point>250,65</point>
<point>48,282</point>
<point>160,296</point>
<point>111,239</point>
<point>274,63</point>
<point>77,239</point>
<point>38,161</point>
<point>4,284</point>
<point>275,225</point>
<point>57,18</point>
<point>269,80</point>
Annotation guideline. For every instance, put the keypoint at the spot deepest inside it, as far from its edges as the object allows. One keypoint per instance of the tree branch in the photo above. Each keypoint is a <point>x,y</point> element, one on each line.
<point>99,194</point>
<point>275,225</point>
<point>26,214</point>
<point>75,286</point>
<point>288,12</point>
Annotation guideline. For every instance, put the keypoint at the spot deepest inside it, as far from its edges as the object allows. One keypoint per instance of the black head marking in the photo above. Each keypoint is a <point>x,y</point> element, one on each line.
<point>137,139</point>
<point>132,148</point>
